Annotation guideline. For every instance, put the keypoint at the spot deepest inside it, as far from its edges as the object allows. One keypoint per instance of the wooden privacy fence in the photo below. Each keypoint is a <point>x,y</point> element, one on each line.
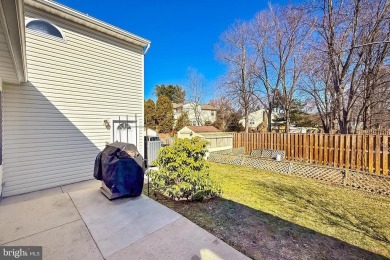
<point>369,153</point>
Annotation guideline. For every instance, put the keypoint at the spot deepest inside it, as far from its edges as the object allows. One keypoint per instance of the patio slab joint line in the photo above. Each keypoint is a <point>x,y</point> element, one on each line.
<point>39,232</point>
<point>148,235</point>
<point>89,231</point>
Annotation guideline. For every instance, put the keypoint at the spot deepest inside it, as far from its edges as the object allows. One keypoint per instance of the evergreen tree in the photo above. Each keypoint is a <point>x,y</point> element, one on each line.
<point>175,93</point>
<point>234,124</point>
<point>182,121</point>
<point>150,114</point>
<point>298,116</point>
<point>164,114</point>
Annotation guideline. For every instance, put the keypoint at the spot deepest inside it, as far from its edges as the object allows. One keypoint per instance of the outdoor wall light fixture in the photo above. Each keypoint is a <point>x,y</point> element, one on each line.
<point>107,124</point>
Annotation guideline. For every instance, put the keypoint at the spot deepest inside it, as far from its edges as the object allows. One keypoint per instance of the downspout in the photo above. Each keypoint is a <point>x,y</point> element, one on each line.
<point>146,48</point>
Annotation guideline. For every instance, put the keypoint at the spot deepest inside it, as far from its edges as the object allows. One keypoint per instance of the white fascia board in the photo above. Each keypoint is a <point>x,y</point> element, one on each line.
<point>86,20</point>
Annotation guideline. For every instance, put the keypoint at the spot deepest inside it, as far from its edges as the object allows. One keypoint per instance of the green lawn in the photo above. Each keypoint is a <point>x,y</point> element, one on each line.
<point>272,215</point>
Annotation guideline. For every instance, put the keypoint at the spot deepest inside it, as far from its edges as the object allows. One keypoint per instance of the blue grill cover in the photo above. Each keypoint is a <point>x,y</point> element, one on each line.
<point>121,168</point>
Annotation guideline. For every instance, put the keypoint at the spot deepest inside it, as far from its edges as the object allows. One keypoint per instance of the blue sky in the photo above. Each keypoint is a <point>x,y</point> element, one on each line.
<point>183,33</point>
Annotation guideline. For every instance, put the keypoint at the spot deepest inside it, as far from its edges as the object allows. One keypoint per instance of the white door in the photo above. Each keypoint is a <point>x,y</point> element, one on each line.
<point>124,131</point>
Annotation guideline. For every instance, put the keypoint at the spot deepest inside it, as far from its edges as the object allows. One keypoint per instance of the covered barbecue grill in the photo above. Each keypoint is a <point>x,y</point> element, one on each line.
<point>121,169</point>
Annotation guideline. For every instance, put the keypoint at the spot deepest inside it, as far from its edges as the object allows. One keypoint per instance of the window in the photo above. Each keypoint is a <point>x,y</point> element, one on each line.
<point>212,113</point>
<point>44,27</point>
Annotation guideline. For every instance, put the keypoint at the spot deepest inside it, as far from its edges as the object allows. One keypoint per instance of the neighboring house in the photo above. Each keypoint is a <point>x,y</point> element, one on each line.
<point>217,139</point>
<point>256,118</point>
<point>302,129</point>
<point>205,112</point>
<point>150,132</point>
<point>65,79</point>
<point>166,138</point>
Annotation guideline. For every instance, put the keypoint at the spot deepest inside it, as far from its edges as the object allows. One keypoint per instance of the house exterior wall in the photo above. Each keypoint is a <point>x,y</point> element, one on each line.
<point>209,115</point>
<point>189,108</point>
<point>1,138</point>
<point>53,126</point>
<point>205,115</point>
<point>150,132</point>
<point>255,118</point>
<point>185,132</point>
<point>218,142</point>
<point>7,69</point>
<point>177,112</point>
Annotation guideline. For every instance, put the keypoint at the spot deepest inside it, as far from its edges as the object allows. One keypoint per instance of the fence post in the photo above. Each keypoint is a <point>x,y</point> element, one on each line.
<point>345,174</point>
<point>289,167</point>
<point>243,160</point>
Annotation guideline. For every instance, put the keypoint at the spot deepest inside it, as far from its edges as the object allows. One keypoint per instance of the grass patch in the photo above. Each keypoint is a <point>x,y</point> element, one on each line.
<point>273,215</point>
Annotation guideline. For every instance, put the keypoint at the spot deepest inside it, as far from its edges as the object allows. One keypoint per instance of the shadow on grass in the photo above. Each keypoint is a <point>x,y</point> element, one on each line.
<point>260,235</point>
<point>345,218</point>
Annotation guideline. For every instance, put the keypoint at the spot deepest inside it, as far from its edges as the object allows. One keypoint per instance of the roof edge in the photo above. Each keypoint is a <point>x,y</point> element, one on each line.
<point>88,21</point>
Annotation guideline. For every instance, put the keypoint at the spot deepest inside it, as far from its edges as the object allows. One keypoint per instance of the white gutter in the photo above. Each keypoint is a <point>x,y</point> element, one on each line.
<point>22,35</point>
<point>88,21</point>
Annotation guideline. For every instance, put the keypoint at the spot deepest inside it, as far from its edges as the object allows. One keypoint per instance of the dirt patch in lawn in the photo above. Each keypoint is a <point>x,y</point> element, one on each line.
<point>260,235</point>
<point>268,215</point>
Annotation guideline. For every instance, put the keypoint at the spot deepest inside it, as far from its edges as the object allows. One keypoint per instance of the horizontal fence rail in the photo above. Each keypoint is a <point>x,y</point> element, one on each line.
<point>363,152</point>
<point>374,131</point>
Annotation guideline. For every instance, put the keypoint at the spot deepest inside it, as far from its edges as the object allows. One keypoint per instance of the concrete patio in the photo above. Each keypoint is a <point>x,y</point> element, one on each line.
<point>77,222</point>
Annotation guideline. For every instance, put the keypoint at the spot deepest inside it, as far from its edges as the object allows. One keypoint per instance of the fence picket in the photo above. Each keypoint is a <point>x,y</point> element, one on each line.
<point>377,154</point>
<point>305,148</point>
<point>385,155</point>
<point>352,151</point>
<point>321,149</point>
<point>336,150</point>
<point>359,152</point>
<point>342,151</point>
<point>311,145</point>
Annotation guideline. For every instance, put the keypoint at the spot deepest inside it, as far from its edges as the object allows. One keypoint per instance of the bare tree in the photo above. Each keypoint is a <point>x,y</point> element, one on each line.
<point>279,37</point>
<point>239,80</point>
<point>349,29</point>
<point>374,102</point>
<point>195,93</point>
<point>224,110</point>
<point>335,51</point>
<point>316,85</point>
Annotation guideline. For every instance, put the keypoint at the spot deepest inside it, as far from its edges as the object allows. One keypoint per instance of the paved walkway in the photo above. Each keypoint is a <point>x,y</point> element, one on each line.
<point>77,222</point>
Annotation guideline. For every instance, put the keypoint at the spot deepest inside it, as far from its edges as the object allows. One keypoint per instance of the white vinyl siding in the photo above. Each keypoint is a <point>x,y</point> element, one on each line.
<point>7,67</point>
<point>1,138</point>
<point>53,126</point>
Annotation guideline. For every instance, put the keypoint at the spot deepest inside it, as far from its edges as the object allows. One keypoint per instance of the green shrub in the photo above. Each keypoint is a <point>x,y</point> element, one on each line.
<point>183,171</point>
